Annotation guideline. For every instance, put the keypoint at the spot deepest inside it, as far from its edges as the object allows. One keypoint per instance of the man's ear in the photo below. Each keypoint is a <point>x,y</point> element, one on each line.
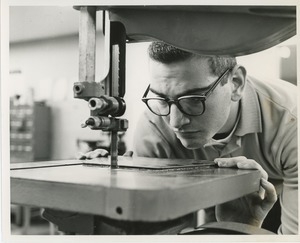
<point>238,82</point>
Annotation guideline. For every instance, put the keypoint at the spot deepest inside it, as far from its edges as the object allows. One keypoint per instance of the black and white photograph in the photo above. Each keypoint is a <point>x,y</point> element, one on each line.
<point>149,121</point>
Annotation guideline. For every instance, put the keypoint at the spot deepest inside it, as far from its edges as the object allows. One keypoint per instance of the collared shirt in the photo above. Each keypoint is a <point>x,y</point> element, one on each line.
<point>265,132</point>
<point>224,145</point>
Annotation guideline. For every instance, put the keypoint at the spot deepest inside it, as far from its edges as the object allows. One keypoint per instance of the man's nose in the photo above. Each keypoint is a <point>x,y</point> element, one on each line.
<point>177,118</point>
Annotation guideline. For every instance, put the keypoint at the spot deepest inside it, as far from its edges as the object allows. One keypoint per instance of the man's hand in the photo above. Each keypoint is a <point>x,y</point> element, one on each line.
<point>250,209</point>
<point>97,153</point>
<point>94,154</point>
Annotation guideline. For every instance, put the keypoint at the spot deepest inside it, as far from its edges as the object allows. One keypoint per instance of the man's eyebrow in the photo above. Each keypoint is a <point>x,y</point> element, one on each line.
<point>187,92</point>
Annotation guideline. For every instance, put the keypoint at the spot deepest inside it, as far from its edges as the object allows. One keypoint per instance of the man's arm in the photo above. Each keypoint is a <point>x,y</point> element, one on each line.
<point>289,194</point>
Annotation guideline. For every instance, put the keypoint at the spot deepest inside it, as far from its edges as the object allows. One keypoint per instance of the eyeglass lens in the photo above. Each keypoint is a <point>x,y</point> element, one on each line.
<point>192,105</point>
<point>189,105</point>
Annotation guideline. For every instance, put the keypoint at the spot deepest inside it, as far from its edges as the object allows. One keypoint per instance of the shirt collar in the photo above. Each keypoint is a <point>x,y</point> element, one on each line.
<point>222,142</point>
<point>250,120</point>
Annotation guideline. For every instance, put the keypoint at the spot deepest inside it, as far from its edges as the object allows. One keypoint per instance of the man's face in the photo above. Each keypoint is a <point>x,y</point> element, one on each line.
<point>192,76</point>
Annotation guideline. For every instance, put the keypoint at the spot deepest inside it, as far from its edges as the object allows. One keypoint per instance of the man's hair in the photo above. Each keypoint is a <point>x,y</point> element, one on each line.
<point>167,54</point>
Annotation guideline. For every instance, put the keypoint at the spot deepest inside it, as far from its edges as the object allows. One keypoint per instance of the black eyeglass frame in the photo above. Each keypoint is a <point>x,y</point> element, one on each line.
<point>176,101</point>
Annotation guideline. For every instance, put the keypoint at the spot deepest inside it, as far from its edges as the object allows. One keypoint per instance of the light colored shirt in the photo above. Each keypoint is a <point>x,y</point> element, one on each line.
<point>265,132</point>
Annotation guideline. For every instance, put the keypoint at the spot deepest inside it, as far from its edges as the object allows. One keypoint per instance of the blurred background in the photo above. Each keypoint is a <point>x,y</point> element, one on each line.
<point>45,119</point>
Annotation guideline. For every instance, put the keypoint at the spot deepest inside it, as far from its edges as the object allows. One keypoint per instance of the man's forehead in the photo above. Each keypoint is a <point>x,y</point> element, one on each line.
<point>174,91</point>
<point>178,78</point>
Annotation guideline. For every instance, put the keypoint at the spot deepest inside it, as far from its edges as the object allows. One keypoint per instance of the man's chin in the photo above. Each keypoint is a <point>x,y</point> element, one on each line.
<point>192,144</point>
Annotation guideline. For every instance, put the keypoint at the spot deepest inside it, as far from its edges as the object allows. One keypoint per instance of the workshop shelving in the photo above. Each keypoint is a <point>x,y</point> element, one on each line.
<point>30,133</point>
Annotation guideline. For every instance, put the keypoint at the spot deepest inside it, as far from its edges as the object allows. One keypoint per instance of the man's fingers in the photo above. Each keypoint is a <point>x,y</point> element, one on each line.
<point>94,154</point>
<point>241,162</point>
<point>251,164</point>
<point>128,154</point>
<point>270,193</point>
<point>229,162</point>
<point>99,153</point>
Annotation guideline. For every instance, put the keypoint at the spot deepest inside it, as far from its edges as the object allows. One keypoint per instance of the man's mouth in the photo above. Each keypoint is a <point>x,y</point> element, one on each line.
<point>187,134</point>
<point>185,131</point>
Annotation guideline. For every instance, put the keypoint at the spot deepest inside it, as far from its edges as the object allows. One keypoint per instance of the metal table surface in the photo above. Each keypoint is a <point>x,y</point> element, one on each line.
<point>141,189</point>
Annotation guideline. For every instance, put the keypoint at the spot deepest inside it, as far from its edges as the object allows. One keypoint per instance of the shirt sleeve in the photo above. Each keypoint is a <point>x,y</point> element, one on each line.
<point>289,194</point>
<point>279,145</point>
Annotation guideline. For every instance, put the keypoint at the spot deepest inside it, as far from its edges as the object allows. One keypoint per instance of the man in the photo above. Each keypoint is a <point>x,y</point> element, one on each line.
<point>208,108</point>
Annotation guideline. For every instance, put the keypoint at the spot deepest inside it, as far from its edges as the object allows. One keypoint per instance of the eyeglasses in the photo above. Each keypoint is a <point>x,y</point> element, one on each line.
<point>191,105</point>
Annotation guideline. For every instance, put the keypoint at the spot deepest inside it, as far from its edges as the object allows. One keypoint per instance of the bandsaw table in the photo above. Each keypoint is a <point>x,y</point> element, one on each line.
<point>140,190</point>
